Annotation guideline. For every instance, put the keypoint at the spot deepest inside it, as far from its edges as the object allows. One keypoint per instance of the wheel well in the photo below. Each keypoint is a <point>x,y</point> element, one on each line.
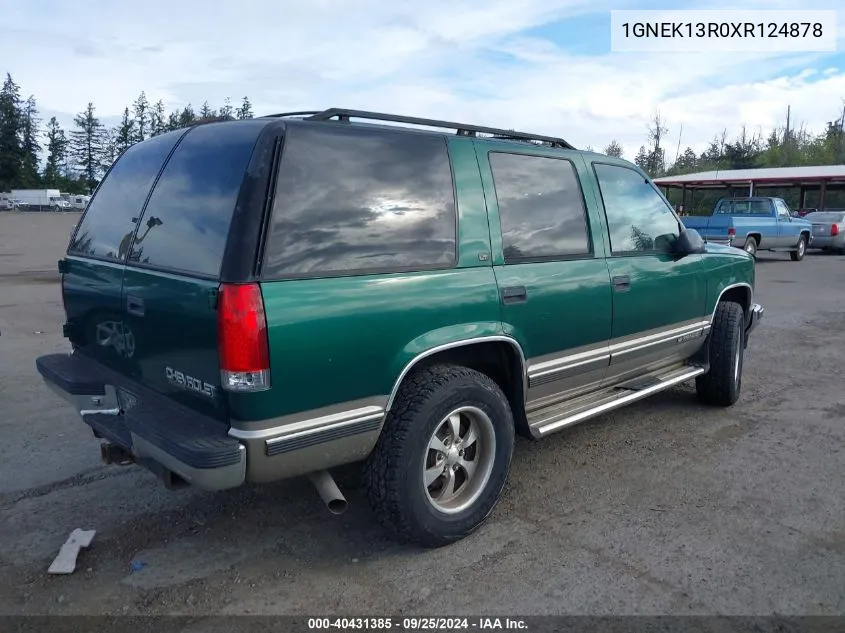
<point>740,295</point>
<point>755,236</point>
<point>498,360</point>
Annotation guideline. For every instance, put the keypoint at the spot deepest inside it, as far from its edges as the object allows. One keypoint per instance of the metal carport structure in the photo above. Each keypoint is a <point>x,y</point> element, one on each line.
<point>810,178</point>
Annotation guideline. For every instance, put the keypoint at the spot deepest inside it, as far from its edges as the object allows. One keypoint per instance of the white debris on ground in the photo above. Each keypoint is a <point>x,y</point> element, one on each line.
<point>65,561</point>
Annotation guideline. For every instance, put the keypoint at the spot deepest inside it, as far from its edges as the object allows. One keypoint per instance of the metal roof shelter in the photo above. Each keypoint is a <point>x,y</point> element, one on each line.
<point>813,177</point>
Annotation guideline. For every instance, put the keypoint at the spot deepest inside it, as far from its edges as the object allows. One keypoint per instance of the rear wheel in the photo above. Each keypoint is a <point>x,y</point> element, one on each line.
<point>441,462</point>
<point>751,246</point>
<point>722,383</point>
<point>800,250</point>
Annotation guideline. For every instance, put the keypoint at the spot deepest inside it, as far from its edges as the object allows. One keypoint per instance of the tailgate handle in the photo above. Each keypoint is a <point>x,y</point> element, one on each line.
<point>135,305</point>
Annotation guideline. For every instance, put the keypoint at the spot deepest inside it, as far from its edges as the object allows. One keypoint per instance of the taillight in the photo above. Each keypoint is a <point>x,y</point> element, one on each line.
<point>834,230</point>
<point>242,337</point>
<point>731,231</point>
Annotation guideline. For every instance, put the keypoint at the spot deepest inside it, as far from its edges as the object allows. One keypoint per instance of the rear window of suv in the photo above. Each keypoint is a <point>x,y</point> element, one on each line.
<point>108,224</point>
<point>186,222</point>
<point>356,201</point>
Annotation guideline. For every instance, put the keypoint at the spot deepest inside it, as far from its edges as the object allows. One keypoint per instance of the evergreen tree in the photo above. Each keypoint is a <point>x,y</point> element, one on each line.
<point>110,149</point>
<point>57,144</point>
<point>227,111</point>
<point>30,147</point>
<point>173,121</point>
<point>11,152</point>
<point>206,112</point>
<point>245,111</point>
<point>641,160</point>
<point>87,146</point>
<point>687,162</point>
<point>125,134</point>
<point>613,149</point>
<point>141,108</point>
<point>187,116</point>
<point>158,123</point>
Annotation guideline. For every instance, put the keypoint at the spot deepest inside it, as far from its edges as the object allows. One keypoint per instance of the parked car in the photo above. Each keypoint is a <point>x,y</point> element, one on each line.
<point>804,212</point>
<point>755,224</point>
<point>828,230</point>
<point>253,300</point>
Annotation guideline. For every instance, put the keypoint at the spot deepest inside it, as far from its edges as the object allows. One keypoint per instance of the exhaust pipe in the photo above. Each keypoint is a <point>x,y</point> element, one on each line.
<point>328,491</point>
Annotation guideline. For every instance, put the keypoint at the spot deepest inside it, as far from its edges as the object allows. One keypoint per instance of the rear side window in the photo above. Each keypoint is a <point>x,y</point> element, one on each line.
<point>541,207</point>
<point>355,201</point>
<point>109,222</point>
<point>186,222</point>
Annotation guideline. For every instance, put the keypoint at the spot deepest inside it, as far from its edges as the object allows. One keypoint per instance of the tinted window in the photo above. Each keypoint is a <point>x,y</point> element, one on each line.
<point>745,207</point>
<point>638,218</point>
<point>354,200</point>
<point>187,219</point>
<point>541,208</point>
<point>109,221</point>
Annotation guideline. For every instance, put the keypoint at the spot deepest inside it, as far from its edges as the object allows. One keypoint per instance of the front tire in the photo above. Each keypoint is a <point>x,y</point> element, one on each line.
<point>721,385</point>
<point>443,456</point>
<point>800,250</point>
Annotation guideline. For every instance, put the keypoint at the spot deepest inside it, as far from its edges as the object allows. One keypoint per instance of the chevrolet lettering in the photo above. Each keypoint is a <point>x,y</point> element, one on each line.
<point>189,382</point>
<point>394,295</point>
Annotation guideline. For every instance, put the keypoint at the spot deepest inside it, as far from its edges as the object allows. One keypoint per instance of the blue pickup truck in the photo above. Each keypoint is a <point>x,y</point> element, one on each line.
<point>755,224</point>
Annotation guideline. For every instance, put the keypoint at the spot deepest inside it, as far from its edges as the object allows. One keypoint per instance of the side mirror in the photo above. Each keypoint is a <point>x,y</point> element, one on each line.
<point>690,242</point>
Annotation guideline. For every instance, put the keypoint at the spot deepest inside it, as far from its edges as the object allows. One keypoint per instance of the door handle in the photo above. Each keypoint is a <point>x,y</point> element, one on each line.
<point>514,294</point>
<point>622,284</point>
<point>135,305</point>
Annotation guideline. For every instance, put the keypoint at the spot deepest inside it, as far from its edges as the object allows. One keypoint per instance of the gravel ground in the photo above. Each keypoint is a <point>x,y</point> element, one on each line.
<point>666,507</point>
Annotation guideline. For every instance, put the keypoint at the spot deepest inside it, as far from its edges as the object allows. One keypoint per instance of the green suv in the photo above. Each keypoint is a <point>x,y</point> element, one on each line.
<point>254,300</point>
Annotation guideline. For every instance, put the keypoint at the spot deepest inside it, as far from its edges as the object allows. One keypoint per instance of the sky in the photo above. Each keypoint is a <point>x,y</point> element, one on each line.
<point>542,66</point>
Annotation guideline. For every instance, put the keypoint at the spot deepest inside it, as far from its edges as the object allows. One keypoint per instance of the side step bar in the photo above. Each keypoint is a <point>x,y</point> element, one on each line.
<point>553,418</point>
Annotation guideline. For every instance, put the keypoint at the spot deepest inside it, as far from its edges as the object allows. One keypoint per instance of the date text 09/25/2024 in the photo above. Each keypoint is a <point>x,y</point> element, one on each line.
<point>418,624</point>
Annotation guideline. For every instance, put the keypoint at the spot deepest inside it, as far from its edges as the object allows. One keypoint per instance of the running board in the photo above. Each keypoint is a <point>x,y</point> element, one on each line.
<point>553,418</point>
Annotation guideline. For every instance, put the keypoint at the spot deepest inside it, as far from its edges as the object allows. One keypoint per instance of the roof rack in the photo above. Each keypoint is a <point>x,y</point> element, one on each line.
<point>461,129</point>
<point>302,113</point>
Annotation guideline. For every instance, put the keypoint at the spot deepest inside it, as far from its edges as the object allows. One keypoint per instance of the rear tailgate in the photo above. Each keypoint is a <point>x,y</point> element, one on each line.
<point>92,272</point>
<point>171,281</point>
<point>142,274</point>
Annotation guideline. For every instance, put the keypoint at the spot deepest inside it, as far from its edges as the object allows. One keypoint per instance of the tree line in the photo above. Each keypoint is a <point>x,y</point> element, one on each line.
<point>76,159</point>
<point>783,147</point>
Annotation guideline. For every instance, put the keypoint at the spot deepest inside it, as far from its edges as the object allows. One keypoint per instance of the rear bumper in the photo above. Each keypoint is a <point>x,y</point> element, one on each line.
<point>161,435</point>
<point>754,318</point>
<point>824,241</point>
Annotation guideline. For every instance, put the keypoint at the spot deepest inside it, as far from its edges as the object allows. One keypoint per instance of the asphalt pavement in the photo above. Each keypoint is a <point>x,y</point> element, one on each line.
<point>665,507</point>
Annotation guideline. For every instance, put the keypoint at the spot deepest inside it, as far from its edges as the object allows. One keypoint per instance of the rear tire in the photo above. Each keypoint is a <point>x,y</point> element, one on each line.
<point>798,254</point>
<point>721,385</point>
<point>430,496</point>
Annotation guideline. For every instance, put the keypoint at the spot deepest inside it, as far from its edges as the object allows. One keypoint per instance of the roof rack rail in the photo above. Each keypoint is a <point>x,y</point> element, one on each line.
<point>302,113</point>
<point>461,129</point>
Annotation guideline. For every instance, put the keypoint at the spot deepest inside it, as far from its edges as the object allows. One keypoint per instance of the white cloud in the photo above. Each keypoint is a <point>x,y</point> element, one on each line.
<point>439,59</point>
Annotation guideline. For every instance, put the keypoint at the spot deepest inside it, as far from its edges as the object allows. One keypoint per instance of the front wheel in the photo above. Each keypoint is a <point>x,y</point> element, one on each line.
<point>441,462</point>
<point>800,250</point>
<point>722,383</point>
